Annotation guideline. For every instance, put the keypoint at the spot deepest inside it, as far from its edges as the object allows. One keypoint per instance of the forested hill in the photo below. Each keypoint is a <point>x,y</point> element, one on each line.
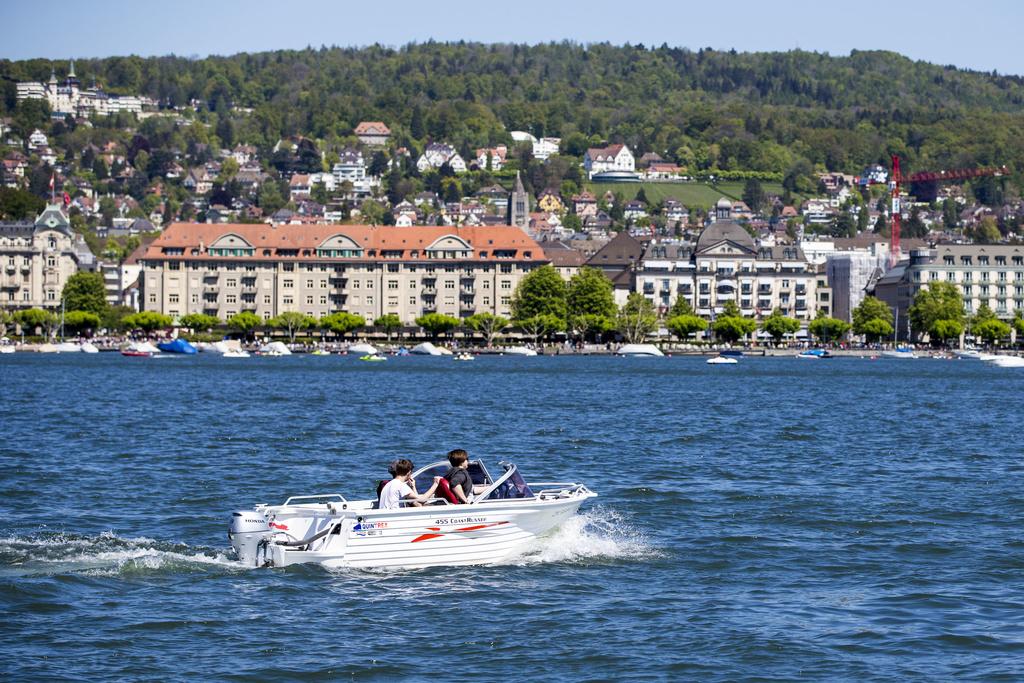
<point>705,108</point>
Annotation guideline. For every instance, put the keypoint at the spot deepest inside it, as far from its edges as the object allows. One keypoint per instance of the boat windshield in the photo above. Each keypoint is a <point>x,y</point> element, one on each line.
<point>425,477</point>
<point>514,486</point>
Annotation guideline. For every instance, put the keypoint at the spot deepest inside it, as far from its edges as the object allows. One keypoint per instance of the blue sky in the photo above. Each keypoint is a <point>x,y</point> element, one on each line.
<point>980,35</point>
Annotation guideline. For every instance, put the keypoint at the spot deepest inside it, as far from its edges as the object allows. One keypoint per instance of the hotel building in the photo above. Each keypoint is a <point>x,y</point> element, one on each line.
<point>221,270</point>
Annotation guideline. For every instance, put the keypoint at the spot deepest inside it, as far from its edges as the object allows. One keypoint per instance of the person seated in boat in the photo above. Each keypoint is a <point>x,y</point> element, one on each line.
<point>403,488</point>
<point>457,476</point>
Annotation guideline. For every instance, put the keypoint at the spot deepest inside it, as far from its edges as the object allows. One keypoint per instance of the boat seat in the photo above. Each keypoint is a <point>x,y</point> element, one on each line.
<point>445,491</point>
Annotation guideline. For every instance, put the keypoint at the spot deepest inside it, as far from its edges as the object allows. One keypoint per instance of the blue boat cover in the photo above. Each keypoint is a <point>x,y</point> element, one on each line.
<point>176,346</point>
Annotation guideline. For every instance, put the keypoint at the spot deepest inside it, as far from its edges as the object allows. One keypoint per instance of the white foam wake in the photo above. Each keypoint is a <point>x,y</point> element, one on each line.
<point>102,554</point>
<point>595,536</point>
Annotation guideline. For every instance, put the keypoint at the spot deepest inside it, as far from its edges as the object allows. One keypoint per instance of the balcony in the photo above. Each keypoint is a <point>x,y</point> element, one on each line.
<point>467,289</point>
<point>684,289</point>
<point>648,288</point>
<point>10,268</point>
<point>249,289</point>
<point>428,291</point>
<point>211,275</point>
<point>339,281</point>
<point>26,267</point>
<point>801,305</point>
<point>212,289</point>
<point>801,289</point>
<point>467,276</point>
<point>10,284</point>
<point>339,291</point>
<point>745,290</point>
<point>764,289</point>
<point>429,306</point>
<point>467,305</point>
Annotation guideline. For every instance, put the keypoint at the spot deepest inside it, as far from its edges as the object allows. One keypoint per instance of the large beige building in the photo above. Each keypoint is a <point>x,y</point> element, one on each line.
<point>222,269</point>
<point>725,264</point>
<point>37,258</point>
<point>991,274</point>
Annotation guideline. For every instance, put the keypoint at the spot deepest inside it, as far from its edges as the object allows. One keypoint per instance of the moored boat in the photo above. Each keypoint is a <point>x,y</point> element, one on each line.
<point>639,350</point>
<point>329,529</point>
<point>177,346</point>
<point>463,356</point>
<point>814,354</point>
<point>899,354</point>
<point>722,360</point>
<point>520,351</point>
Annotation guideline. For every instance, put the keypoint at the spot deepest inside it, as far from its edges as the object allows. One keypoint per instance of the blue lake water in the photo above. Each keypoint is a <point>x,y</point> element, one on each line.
<point>778,519</point>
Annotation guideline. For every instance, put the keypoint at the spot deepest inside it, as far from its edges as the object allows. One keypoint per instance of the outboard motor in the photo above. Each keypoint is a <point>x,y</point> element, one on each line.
<point>248,529</point>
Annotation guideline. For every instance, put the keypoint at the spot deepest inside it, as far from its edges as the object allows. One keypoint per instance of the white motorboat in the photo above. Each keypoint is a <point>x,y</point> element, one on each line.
<point>7,348</point>
<point>1008,362</point>
<point>520,351</point>
<point>465,355</point>
<point>275,349</point>
<point>235,353</point>
<point>425,349</point>
<point>336,532</point>
<point>362,349</point>
<point>89,347</point>
<point>639,350</point>
<point>969,354</point>
<point>722,360</point>
<point>899,354</point>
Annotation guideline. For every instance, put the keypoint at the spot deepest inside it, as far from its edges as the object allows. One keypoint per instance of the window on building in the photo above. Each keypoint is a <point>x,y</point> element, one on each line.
<point>231,282</point>
<point>309,299</point>
<point>287,301</point>
<point>230,299</point>
<point>392,284</point>
<point>172,298</point>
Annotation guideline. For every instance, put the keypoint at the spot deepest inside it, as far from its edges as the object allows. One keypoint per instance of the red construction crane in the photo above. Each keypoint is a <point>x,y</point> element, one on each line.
<point>926,182</point>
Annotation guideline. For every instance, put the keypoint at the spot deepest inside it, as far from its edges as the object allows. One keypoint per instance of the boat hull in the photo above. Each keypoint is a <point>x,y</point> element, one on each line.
<point>429,536</point>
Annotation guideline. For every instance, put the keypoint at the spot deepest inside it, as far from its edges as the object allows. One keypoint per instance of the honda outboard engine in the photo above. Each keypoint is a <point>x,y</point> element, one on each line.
<point>247,531</point>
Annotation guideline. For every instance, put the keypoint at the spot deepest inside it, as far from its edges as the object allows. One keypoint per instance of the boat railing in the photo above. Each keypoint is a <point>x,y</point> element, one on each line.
<point>317,496</point>
<point>554,489</point>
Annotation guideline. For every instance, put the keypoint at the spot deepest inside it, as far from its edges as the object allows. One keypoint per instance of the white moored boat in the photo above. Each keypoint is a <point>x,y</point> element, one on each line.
<point>639,350</point>
<point>336,532</point>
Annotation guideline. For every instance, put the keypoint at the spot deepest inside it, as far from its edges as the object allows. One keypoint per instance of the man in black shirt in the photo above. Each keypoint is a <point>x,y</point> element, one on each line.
<point>457,475</point>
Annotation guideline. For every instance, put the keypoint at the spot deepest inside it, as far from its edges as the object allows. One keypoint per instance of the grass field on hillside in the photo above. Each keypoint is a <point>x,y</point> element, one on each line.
<point>701,195</point>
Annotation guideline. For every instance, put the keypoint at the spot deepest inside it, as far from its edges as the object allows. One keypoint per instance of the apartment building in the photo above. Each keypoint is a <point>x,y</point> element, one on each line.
<point>726,264</point>
<point>37,258</point>
<point>990,274</point>
<point>321,269</point>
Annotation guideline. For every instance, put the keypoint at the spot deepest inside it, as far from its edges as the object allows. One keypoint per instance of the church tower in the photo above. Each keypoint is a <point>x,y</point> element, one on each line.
<point>519,205</point>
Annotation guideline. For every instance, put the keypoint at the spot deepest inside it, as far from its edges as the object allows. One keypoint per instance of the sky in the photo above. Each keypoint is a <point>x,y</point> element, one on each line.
<point>981,35</point>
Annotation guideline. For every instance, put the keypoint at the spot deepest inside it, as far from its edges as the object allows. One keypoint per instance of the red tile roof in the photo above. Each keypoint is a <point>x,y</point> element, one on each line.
<point>262,237</point>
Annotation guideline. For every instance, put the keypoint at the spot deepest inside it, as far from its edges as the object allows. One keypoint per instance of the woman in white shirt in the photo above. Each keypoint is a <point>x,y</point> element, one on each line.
<point>403,487</point>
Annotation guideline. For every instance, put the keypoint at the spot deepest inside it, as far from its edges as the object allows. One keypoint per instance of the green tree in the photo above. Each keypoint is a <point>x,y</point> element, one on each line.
<point>199,321</point>
<point>684,325</point>
<point>876,329</point>
<point>342,323</point>
<point>113,319</point>
<point>85,291</point>
<point>487,324</point>
<point>779,325</point>
<point>18,205</point>
<point>730,325</point>
<point>937,301</point>
<point>292,322</point>
<point>637,318</point>
<point>541,291</point>
<point>540,326</point>
<point>983,314</point>
<point>390,323</point>
<point>1018,324</point>
<point>437,324</point>
<point>590,323</point>
<point>991,330</point>
<point>6,321</point>
<point>681,306</point>
<point>872,317</point>
<point>754,195</point>
<point>589,292</point>
<point>828,329</point>
<point>34,319</point>
<point>945,331</point>
<point>245,322</point>
<point>147,321</point>
<point>80,322</point>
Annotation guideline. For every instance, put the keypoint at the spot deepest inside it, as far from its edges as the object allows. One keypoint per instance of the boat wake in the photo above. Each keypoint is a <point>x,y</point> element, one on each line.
<point>105,554</point>
<point>596,536</point>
